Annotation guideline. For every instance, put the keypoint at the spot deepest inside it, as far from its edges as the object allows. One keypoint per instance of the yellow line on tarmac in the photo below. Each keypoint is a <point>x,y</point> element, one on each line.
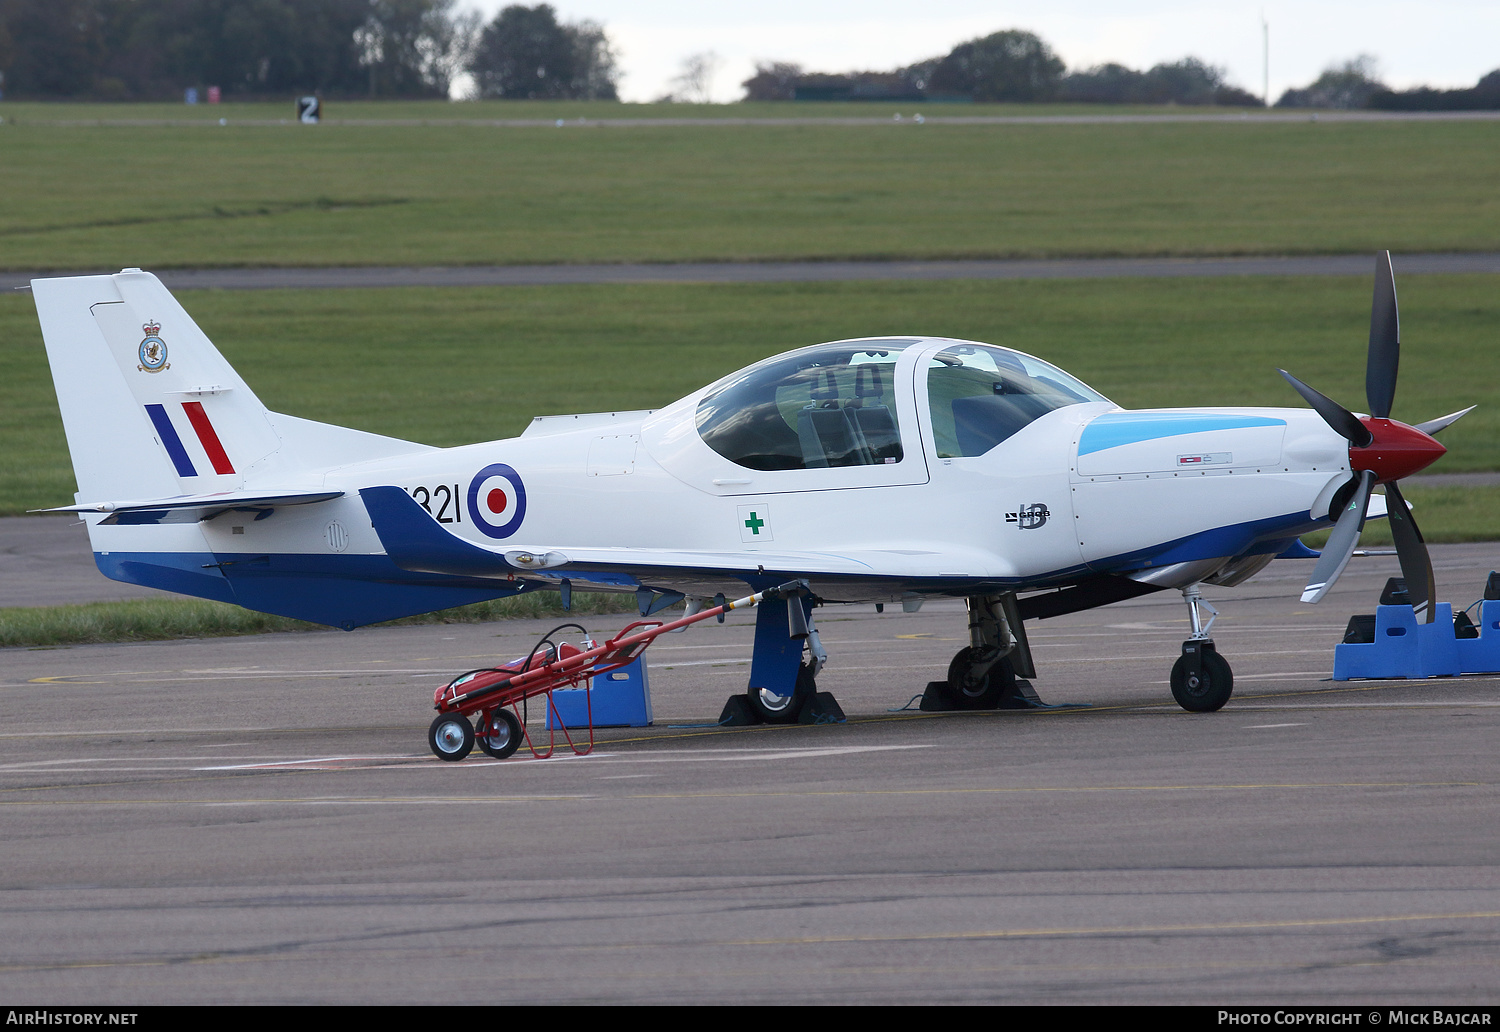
<point>1067,789</point>
<point>650,796</point>
<point>1025,933</point>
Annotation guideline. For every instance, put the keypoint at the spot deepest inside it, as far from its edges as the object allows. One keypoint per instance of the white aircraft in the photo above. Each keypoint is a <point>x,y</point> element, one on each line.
<point>885,470</point>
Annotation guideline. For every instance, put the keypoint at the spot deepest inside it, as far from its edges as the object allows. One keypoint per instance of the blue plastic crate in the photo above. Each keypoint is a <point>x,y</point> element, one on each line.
<point>621,699</point>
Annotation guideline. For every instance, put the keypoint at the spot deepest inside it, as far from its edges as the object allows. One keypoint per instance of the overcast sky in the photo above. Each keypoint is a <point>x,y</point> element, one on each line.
<point>1445,43</point>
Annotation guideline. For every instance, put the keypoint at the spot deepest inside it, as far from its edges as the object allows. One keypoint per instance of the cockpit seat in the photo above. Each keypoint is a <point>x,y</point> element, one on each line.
<point>982,421</point>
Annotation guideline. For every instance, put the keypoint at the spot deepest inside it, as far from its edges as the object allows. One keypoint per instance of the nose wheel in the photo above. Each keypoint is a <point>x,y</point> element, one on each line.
<point>1201,679</point>
<point>1203,682</point>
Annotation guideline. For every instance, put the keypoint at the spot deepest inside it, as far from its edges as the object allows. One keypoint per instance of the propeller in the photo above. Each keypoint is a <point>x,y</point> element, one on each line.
<point>1433,426</point>
<point>1381,451</point>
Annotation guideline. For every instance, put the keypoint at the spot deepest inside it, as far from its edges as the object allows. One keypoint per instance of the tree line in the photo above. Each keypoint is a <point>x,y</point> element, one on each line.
<point>1019,67</point>
<point>1355,84</point>
<point>1010,66</point>
<point>157,49</point>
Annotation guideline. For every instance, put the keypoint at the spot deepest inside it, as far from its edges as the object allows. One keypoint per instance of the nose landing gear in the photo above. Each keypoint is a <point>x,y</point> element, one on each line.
<point>1201,679</point>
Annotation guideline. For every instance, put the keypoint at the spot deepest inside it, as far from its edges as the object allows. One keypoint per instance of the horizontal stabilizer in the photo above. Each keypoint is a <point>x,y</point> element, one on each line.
<point>193,508</point>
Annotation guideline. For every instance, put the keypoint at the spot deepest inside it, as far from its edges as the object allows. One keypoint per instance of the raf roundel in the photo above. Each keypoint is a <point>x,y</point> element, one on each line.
<point>497,500</point>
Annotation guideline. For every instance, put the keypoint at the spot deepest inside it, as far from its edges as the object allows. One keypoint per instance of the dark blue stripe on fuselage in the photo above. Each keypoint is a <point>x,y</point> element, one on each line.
<point>170,441</point>
<point>1253,537</point>
<point>338,590</point>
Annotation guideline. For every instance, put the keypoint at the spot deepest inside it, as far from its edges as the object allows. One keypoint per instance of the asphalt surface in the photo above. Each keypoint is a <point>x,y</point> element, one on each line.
<point>259,820</point>
<point>791,272</point>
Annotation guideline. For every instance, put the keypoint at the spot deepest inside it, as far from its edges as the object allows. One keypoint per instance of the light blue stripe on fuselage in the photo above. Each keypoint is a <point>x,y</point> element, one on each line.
<point>1116,428</point>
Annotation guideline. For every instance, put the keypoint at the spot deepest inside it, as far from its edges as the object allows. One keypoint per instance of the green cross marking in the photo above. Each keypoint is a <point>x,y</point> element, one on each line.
<point>755,523</point>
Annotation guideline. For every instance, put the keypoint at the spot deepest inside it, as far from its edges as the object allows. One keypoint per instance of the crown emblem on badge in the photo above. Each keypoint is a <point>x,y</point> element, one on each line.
<point>152,328</point>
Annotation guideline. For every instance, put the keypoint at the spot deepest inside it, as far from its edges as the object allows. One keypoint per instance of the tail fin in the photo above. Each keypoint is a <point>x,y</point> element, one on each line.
<point>152,410</point>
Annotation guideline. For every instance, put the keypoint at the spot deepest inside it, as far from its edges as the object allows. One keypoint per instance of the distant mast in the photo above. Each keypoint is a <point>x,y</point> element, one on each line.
<point>1265,52</point>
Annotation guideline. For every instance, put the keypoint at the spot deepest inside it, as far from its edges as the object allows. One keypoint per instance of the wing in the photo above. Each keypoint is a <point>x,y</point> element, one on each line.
<point>415,541</point>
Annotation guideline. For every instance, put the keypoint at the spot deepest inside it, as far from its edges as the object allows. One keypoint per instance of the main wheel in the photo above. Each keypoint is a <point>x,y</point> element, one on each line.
<point>1205,691</point>
<point>783,709</point>
<point>451,737</point>
<point>966,691</point>
<point>500,735</point>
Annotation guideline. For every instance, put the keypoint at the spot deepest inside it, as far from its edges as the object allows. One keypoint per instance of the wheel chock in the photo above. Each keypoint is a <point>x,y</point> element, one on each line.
<point>737,713</point>
<point>934,699</point>
<point>822,708</point>
<point>1024,697</point>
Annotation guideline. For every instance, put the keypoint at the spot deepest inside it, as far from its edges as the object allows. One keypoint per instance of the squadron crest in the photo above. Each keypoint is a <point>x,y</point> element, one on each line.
<point>153,350</point>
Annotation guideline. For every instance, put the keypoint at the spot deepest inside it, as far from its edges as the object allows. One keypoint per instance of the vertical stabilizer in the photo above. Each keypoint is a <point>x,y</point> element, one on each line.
<point>152,410</point>
<point>150,407</point>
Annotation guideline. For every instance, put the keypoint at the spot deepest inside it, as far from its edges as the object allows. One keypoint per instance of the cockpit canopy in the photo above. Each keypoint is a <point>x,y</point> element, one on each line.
<point>832,405</point>
<point>980,395</point>
<point>836,404</point>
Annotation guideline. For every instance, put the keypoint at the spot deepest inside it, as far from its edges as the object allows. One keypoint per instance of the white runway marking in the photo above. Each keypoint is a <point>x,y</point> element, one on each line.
<point>1413,704</point>
<point>315,763</point>
<point>674,665</point>
<point>723,755</point>
<point>422,761</point>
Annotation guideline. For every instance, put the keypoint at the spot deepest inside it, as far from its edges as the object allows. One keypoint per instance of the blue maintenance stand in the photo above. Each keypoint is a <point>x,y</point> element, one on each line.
<point>622,698</point>
<point>1405,648</point>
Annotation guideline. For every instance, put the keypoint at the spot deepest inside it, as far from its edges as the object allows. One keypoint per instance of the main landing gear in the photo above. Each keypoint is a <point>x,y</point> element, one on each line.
<point>783,670</point>
<point>983,676</point>
<point>1201,679</point>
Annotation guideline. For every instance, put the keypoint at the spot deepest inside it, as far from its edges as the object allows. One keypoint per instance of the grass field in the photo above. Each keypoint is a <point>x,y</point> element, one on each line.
<point>355,112</point>
<point>164,619</point>
<point>453,366</point>
<point>193,193</point>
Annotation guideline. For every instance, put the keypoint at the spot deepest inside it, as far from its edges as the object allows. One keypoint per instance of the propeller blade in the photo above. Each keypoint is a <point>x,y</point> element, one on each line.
<point>1385,341</point>
<point>1341,542</point>
<point>1416,565</point>
<point>1432,426</point>
<point>1344,422</point>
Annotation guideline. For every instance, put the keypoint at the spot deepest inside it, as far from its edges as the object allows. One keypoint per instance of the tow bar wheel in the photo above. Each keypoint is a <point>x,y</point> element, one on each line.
<point>499,733</point>
<point>451,737</point>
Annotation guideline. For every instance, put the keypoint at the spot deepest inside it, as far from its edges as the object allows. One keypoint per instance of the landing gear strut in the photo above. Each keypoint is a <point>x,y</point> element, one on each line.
<point>1201,679</point>
<point>983,675</point>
